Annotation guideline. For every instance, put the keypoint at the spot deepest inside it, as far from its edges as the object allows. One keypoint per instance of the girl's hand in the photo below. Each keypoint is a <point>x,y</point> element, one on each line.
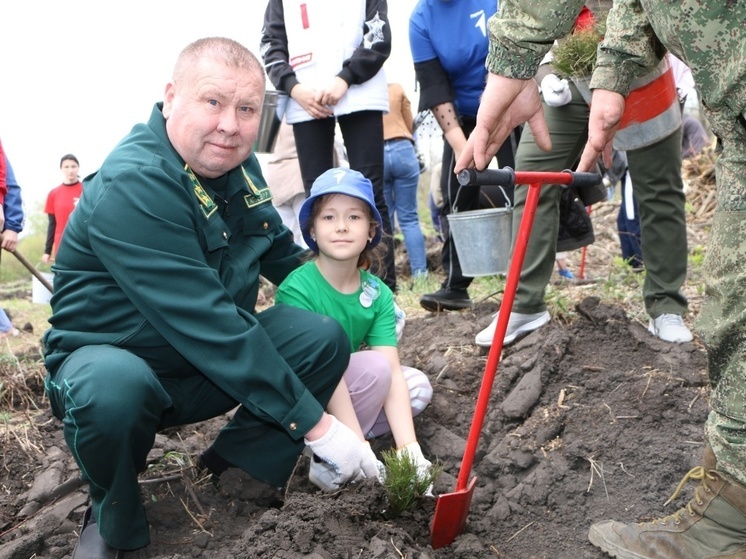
<point>309,99</point>
<point>334,93</point>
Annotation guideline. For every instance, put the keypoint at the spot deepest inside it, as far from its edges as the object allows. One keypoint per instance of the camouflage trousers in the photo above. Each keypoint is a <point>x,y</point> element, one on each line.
<point>722,321</point>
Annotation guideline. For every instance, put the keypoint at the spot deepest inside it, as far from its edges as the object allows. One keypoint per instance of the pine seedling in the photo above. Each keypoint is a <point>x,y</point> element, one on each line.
<point>403,486</point>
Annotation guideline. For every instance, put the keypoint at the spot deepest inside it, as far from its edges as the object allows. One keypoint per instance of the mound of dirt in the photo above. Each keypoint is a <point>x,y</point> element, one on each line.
<point>587,421</point>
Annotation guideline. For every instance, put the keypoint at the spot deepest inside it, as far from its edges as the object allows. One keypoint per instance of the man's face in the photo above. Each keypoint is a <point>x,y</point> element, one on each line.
<point>213,115</point>
<point>70,171</point>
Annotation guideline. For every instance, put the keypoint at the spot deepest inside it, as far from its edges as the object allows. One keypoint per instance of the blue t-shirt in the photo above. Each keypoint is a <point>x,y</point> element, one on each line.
<point>454,32</point>
<point>366,315</point>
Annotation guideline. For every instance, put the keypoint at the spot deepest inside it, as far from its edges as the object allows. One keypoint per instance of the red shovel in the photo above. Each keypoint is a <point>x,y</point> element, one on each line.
<point>452,509</point>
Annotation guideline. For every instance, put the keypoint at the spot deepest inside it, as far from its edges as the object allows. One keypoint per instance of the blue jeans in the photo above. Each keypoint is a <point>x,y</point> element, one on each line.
<point>5,324</point>
<point>401,176</point>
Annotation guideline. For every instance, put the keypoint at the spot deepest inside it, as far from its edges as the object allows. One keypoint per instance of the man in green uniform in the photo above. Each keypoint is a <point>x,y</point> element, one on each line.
<point>153,319</point>
<point>709,36</point>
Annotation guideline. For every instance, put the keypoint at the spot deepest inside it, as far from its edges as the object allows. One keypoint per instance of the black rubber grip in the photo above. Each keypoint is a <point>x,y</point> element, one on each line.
<point>472,177</point>
<point>584,180</point>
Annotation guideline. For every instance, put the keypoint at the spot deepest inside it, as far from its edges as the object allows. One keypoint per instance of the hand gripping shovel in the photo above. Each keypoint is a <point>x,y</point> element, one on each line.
<point>452,509</point>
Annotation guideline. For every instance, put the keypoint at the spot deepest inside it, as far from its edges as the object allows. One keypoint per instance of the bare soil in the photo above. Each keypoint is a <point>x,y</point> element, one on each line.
<point>590,418</point>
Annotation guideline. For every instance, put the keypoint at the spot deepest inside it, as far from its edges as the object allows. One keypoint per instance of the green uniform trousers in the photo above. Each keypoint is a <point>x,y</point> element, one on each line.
<point>722,321</point>
<point>112,405</point>
<point>656,172</point>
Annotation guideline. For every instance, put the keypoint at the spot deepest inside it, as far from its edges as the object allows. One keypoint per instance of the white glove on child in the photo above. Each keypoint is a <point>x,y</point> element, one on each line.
<point>422,463</point>
<point>347,457</point>
<point>415,454</point>
<point>556,92</point>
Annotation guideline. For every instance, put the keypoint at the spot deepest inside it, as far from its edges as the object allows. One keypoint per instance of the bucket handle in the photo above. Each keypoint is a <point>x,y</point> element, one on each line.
<point>508,204</point>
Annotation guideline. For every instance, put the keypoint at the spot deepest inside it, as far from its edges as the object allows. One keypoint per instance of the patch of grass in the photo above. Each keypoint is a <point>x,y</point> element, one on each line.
<point>575,55</point>
<point>559,303</point>
<point>697,256</point>
<point>623,284</point>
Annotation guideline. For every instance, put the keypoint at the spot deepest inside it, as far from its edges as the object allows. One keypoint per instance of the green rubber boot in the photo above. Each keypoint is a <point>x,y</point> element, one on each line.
<point>711,526</point>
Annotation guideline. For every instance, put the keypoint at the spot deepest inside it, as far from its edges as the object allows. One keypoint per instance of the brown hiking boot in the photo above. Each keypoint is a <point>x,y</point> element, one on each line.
<point>711,526</point>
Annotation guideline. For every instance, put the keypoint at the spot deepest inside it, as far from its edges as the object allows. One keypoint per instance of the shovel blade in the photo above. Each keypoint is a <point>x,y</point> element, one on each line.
<point>451,511</point>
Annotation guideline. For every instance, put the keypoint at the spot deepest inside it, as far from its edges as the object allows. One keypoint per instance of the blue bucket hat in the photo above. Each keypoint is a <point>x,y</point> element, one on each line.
<point>338,181</point>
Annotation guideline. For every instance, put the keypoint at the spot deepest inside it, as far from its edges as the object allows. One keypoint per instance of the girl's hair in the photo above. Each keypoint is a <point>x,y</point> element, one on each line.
<point>369,256</point>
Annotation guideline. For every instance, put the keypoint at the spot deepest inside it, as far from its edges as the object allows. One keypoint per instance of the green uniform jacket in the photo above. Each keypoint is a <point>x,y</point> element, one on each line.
<point>150,263</point>
<point>708,35</point>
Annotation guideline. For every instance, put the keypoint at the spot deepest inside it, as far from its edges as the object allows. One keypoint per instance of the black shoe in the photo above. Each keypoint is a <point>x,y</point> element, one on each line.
<point>211,462</point>
<point>446,300</point>
<point>91,545</point>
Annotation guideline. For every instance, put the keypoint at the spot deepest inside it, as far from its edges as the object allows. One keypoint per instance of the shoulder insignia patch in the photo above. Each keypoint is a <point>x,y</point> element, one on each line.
<point>207,206</point>
<point>256,195</point>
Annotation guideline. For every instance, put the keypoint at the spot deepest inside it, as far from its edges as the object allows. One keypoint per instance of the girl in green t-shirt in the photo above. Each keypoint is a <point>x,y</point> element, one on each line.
<point>340,223</point>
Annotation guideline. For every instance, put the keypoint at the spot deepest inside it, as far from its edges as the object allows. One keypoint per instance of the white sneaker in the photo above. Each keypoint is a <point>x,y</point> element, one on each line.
<point>517,325</point>
<point>670,328</point>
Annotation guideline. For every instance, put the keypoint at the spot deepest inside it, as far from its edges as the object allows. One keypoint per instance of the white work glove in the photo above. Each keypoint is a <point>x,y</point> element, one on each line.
<point>556,92</point>
<point>423,464</point>
<point>347,458</point>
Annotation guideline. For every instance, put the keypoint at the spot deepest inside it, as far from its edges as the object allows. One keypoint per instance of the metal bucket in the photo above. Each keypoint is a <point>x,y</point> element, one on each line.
<point>39,293</point>
<point>272,112</point>
<point>483,239</point>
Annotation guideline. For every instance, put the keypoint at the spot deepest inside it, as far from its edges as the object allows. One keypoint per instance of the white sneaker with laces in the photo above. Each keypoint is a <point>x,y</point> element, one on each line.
<point>670,328</point>
<point>518,324</point>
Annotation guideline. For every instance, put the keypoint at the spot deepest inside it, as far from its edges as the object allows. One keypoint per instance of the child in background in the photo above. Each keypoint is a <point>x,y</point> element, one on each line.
<point>340,223</point>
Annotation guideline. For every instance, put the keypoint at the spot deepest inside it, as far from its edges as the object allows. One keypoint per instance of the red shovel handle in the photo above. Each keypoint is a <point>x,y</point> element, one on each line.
<point>452,509</point>
<point>534,180</point>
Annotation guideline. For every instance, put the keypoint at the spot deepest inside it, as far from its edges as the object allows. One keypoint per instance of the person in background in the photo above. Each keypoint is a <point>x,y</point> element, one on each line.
<point>694,137</point>
<point>61,201</point>
<point>342,225</point>
<point>709,36</point>
<point>12,207</point>
<point>656,168</point>
<point>284,179</point>
<point>435,197</point>
<point>282,173</point>
<point>328,57</point>
<point>401,177</point>
<point>693,140</point>
<point>171,236</point>
<point>3,185</point>
<point>449,45</point>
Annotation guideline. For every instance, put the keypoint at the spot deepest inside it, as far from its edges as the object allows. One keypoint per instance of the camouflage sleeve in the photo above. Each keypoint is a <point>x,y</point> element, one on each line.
<point>630,48</point>
<point>522,32</point>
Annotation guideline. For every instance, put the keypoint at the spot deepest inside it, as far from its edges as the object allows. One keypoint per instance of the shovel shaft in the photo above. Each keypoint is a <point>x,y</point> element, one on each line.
<point>583,252</point>
<point>514,273</point>
<point>31,268</point>
<point>452,509</point>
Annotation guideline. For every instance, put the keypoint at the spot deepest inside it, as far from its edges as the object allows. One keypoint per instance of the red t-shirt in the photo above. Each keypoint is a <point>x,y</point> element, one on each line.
<point>3,186</point>
<point>61,201</point>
